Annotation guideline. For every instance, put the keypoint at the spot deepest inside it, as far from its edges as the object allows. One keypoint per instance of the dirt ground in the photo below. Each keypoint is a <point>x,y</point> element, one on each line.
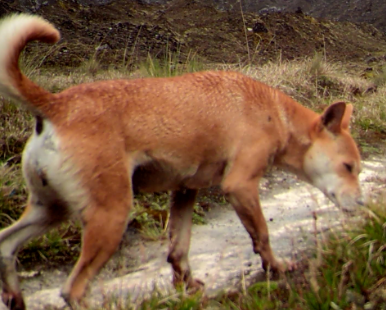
<point>124,32</point>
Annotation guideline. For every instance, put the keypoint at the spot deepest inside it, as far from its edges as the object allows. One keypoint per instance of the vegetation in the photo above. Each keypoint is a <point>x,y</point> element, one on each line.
<point>172,64</point>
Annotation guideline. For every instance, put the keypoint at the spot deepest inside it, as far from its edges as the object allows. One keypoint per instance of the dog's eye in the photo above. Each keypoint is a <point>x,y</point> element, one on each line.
<point>348,167</point>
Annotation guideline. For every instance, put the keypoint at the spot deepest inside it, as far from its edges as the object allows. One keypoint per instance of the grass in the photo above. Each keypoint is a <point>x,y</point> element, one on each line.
<point>151,215</point>
<point>172,64</point>
<point>313,81</point>
<point>12,193</point>
<point>350,269</point>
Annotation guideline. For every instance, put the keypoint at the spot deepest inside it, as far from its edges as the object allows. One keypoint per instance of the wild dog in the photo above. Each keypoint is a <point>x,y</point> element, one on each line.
<point>93,142</point>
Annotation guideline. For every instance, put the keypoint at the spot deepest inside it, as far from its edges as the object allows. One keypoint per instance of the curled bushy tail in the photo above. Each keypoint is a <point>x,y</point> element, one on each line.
<point>15,32</point>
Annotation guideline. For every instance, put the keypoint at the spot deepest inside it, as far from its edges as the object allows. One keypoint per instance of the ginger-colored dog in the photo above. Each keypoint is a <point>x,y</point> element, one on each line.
<point>93,142</point>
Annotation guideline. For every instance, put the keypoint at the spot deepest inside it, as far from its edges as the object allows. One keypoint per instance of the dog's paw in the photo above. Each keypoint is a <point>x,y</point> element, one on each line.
<point>13,301</point>
<point>280,267</point>
<point>191,286</point>
<point>288,266</point>
<point>195,285</point>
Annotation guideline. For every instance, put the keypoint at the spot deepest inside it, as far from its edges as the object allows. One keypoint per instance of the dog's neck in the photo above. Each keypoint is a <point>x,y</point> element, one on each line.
<point>299,122</point>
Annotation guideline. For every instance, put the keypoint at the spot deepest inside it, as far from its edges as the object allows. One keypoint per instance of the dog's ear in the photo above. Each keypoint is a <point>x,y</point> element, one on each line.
<point>347,116</point>
<point>335,118</point>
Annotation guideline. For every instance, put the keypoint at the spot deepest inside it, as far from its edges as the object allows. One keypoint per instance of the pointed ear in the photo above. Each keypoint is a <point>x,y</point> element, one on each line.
<point>332,117</point>
<point>347,116</point>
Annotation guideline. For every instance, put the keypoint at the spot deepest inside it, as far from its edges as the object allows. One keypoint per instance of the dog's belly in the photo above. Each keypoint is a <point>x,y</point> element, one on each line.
<point>157,177</point>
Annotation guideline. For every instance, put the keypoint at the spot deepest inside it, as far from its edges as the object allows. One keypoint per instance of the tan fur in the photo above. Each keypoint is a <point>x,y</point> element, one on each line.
<point>92,141</point>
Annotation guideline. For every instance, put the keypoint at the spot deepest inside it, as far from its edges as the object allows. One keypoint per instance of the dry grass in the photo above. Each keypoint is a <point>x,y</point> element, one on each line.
<point>312,82</point>
<point>15,127</point>
<point>12,193</point>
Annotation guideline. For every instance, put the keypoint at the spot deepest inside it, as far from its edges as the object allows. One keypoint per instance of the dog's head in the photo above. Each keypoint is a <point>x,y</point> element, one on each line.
<point>333,163</point>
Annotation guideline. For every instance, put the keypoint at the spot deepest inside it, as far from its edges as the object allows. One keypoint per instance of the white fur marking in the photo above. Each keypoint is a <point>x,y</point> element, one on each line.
<point>43,155</point>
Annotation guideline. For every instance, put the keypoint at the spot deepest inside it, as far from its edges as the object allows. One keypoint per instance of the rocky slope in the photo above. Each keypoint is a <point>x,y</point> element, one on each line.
<point>369,11</point>
<point>122,31</point>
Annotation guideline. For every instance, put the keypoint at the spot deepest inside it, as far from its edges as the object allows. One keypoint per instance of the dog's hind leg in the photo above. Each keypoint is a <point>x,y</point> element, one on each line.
<point>180,230</point>
<point>36,220</point>
<point>104,222</point>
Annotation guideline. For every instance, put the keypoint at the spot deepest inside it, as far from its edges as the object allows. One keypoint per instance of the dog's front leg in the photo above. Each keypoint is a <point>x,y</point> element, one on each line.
<point>241,188</point>
<point>247,206</point>
<point>180,229</point>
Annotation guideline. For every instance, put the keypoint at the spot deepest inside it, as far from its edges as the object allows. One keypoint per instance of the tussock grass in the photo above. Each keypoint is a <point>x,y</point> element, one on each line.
<point>151,214</point>
<point>371,111</point>
<point>172,64</point>
<point>15,128</point>
<point>12,193</point>
<point>57,247</point>
<point>312,81</point>
<point>349,272</point>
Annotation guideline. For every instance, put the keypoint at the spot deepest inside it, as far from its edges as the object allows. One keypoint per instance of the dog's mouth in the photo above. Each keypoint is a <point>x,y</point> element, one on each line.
<point>350,207</point>
<point>333,198</point>
<point>346,208</point>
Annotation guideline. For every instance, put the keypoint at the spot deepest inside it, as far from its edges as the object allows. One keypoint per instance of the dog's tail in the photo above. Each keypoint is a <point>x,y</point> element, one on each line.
<point>15,32</point>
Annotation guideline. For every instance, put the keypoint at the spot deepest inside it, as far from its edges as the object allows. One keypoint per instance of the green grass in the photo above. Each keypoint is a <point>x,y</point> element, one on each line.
<point>351,265</point>
<point>57,247</point>
<point>258,296</point>
<point>178,301</point>
<point>12,193</point>
<point>172,64</point>
<point>151,215</point>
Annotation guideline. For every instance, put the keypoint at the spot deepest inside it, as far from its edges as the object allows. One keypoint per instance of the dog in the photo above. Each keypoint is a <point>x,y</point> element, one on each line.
<point>92,143</point>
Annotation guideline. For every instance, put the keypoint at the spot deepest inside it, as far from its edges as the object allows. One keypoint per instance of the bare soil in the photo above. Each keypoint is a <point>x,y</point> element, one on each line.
<point>126,31</point>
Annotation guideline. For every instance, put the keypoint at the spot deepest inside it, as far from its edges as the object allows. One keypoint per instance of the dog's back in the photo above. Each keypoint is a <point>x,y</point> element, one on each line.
<point>183,130</point>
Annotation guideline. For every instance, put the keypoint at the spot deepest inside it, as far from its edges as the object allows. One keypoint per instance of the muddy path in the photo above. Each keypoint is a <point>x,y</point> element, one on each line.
<point>221,253</point>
